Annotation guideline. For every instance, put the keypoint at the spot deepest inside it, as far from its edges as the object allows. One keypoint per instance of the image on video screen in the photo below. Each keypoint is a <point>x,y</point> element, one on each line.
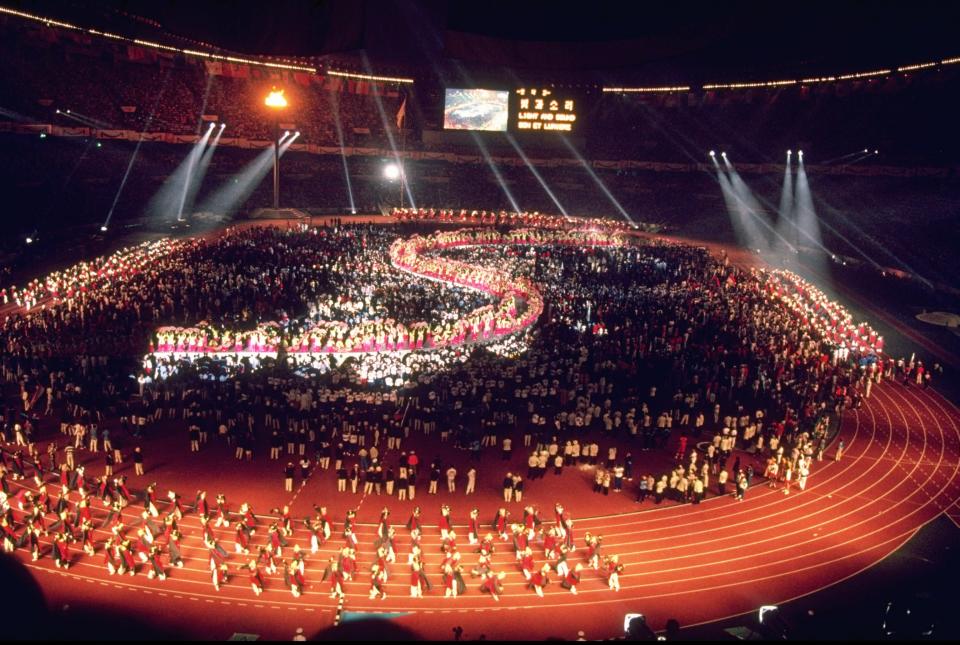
<point>475,110</point>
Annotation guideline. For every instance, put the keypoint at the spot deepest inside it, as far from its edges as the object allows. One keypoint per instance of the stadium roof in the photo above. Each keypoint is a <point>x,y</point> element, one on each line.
<point>715,38</point>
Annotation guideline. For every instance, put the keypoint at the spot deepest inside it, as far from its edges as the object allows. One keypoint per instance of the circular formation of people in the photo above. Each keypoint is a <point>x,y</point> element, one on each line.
<point>554,345</point>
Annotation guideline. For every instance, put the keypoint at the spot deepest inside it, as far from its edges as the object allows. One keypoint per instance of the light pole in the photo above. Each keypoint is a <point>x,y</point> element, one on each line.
<point>276,102</point>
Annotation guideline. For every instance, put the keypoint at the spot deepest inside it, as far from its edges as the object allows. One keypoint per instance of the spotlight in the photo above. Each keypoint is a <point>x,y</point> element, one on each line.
<point>865,150</point>
<point>800,153</point>
<point>789,152</point>
<point>104,228</point>
<point>876,152</point>
<point>713,154</point>
<point>43,135</point>
<point>297,133</point>
<point>723,154</point>
<point>223,125</point>
<point>391,171</point>
<point>29,240</point>
<point>211,125</point>
<point>68,111</point>
<point>58,112</point>
<point>286,133</point>
<point>99,145</point>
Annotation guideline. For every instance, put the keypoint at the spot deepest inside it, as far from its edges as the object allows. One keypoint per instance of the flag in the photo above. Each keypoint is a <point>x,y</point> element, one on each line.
<point>402,112</point>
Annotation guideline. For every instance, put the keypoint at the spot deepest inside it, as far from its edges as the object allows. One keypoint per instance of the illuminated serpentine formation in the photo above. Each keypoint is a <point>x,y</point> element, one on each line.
<point>519,305</point>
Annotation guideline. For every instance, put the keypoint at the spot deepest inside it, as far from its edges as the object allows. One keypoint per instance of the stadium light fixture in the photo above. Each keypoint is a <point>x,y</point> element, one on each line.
<point>876,152</point>
<point>29,240</point>
<point>276,101</point>
<point>723,154</point>
<point>713,154</point>
<point>104,228</point>
<point>391,171</point>
<point>789,152</point>
<point>43,135</point>
<point>223,125</point>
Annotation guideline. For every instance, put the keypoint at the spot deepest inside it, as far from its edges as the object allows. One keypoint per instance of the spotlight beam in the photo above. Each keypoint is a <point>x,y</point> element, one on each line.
<point>539,178</point>
<point>496,171</point>
<point>230,196</point>
<point>386,129</point>
<point>785,210</point>
<point>202,167</point>
<point>86,120</point>
<point>597,181</point>
<point>136,149</point>
<point>192,161</point>
<point>748,209</point>
<point>334,98</point>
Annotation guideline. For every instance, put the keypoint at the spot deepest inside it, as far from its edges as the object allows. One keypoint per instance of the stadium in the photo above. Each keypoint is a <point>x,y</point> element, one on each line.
<point>418,320</point>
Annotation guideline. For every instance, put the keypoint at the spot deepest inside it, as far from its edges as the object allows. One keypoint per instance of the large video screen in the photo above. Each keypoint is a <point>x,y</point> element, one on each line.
<point>476,110</point>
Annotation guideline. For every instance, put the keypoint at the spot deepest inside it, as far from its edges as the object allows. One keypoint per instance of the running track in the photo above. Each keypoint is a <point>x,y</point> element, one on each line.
<point>693,563</point>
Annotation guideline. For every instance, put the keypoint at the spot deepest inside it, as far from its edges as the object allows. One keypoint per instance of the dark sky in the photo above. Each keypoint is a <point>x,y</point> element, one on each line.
<point>840,31</point>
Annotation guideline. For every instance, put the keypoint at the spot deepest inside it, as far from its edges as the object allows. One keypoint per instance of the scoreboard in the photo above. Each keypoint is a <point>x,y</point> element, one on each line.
<point>540,109</point>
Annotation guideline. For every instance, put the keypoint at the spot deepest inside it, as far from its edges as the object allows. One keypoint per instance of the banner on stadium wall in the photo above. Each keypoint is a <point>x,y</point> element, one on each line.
<point>236,70</point>
<point>214,67</point>
<point>128,109</point>
<point>361,130</point>
<point>141,54</point>
<point>74,132</point>
<point>114,134</point>
<point>154,136</point>
<point>333,83</point>
<point>209,117</point>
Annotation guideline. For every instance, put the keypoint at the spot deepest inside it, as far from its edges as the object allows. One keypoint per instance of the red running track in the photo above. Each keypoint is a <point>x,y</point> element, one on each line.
<point>693,563</point>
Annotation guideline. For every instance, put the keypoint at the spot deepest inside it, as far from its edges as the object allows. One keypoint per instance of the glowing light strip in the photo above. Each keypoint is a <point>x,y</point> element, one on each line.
<point>678,88</point>
<point>147,43</point>
<point>910,68</point>
<point>879,72</point>
<point>30,16</point>
<point>950,61</point>
<point>739,86</point>
<point>369,77</point>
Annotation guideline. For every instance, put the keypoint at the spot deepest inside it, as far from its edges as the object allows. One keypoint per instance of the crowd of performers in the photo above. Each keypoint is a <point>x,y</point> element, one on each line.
<point>144,533</point>
<point>518,304</point>
<point>538,220</point>
<point>637,343</point>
